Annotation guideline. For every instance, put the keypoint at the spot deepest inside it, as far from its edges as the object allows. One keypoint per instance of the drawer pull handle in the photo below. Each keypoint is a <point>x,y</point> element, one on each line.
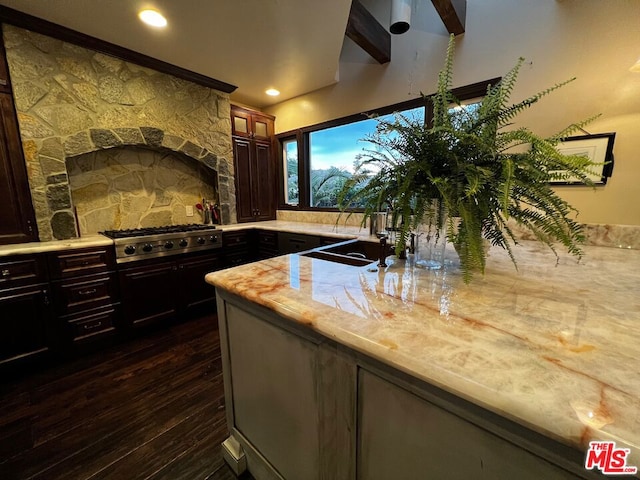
<point>90,291</point>
<point>6,272</point>
<point>91,326</point>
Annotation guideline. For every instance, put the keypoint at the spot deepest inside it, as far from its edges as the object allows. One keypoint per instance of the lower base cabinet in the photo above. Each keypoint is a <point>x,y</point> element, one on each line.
<point>164,289</point>
<point>301,407</point>
<point>27,330</point>
<point>194,294</point>
<point>401,435</point>
<point>25,322</point>
<point>147,293</point>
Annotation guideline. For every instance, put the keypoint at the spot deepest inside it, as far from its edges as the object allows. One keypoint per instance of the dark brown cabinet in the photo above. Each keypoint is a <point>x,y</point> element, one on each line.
<point>162,290</point>
<point>147,293</point>
<point>267,244</point>
<point>26,329</point>
<point>251,124</point>
<point>254,165</point>
<point>239,247</point>
<point>297,242</point>
<point>195,294</point>
<point>85,290</point>
<point>17,217</point>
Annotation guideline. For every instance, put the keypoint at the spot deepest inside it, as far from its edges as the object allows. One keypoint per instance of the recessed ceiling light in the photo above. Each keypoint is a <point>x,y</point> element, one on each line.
<point>153,18</point>
<point>273,92</point>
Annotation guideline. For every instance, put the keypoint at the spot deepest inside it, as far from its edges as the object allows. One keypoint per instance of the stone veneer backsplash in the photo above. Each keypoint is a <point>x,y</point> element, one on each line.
<point>603,235</point>
<point>330,218</point>
<point>73,101</point>
<point>136,187</point>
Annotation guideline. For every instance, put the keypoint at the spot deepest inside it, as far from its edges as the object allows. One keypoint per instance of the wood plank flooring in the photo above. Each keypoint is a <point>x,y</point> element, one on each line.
<point>152,408</point>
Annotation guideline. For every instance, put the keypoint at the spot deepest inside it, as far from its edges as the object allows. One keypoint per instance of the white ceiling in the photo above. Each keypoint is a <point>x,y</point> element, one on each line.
<point>291,45</point>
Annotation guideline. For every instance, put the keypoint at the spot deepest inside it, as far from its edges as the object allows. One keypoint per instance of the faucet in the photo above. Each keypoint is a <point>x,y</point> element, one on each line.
<point>383,250</point>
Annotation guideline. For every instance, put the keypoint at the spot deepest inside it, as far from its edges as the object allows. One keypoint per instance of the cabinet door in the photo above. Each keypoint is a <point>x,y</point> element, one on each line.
<point>276,403</point>
<point>195,293</point>
<point>401,435</point>
<point>262,127</point>
<point>148,293</point>
<point>24,323</point>
<point>241,123</point>
<point>17,218</point>
<point>242,155</point>
<point>262,182</point>
<point>251,124</point>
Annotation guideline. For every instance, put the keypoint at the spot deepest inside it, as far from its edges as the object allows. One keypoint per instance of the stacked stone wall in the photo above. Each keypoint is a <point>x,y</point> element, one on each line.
<point>72,101</point>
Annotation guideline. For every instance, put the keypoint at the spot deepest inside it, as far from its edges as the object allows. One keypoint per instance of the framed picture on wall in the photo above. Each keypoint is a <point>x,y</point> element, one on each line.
<point>598,148</point>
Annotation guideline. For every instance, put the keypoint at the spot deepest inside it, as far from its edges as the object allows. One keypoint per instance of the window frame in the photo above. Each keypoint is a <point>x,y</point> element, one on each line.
<point>302,135</point>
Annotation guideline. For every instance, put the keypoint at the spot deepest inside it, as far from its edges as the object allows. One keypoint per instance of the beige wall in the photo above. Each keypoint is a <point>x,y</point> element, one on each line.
<point>593,40</point>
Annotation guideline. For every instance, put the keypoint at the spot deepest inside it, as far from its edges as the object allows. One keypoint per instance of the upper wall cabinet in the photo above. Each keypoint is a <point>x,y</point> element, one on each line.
<point>249,124</point>
<point>254,165</point>
<point>17,218</point>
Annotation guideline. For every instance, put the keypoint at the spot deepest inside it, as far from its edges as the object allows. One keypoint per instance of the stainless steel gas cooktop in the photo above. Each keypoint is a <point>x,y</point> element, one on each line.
<point>151,242</point>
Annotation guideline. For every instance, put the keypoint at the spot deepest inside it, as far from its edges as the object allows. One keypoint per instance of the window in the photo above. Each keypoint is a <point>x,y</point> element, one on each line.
<point>333,154</point>
<point>290,168</point>
<point>318,160</point>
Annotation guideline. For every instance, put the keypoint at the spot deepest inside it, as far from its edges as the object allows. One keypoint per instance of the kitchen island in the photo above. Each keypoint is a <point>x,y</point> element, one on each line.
<point>336,371</point>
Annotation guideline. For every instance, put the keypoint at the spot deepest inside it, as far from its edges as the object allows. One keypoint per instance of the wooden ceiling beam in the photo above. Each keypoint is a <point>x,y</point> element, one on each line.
<point>453,14</point>
<point>368,33</point>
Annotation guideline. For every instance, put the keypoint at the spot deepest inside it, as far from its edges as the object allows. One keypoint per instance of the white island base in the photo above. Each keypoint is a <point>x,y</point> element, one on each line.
<point>301,406</point>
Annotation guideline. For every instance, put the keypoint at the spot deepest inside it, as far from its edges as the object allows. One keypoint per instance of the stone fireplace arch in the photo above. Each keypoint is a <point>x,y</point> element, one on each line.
<point>59,216</point>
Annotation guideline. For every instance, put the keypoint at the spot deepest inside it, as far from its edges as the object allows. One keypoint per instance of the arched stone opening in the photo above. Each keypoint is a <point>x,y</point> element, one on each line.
<point>129,178</point>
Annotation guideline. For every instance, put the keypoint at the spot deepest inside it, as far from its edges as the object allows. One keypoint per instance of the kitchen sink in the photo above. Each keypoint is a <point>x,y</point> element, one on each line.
<point>335,257</point>
<point>357,248</point>
<point>357,253</point>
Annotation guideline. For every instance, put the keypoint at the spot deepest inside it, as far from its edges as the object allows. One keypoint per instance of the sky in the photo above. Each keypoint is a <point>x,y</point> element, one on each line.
<point>339,146</point>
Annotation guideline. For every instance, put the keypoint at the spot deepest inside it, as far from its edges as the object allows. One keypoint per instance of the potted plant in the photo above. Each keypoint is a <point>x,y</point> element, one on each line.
<point>471,171</point>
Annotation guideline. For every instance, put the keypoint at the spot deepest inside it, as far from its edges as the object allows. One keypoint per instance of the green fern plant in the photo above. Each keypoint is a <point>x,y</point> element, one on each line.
<point>474,164</point>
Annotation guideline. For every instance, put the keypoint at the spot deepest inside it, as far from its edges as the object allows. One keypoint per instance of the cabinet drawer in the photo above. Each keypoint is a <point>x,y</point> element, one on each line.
<point>75,295</point>
<point>17,271</point>
<point>268,240</point>
<point>235,239</point>
<point>237,258</point>
<point>81,262</point>
<point>293,242</point>
<point>90,325</point>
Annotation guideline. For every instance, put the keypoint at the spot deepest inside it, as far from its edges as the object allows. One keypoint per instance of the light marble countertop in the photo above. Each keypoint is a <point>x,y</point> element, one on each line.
<point>323,229</point>
<point>55,245</point>
<point>554,348</point>
<point>341,231</point>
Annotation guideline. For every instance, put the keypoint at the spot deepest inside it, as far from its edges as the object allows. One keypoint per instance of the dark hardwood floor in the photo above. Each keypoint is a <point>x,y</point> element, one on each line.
<point>151,408</point>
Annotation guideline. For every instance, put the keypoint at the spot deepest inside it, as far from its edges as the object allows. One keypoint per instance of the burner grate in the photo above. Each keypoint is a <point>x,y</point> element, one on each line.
<point>141,232</point>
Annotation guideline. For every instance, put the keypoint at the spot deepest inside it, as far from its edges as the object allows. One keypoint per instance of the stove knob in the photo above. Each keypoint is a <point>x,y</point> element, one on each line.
<point>200,240</point>
<point>147,247</point>
<point>130,249</point>
<point>168,244</point>
<point>213,239</point>
<point>183,243</point>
